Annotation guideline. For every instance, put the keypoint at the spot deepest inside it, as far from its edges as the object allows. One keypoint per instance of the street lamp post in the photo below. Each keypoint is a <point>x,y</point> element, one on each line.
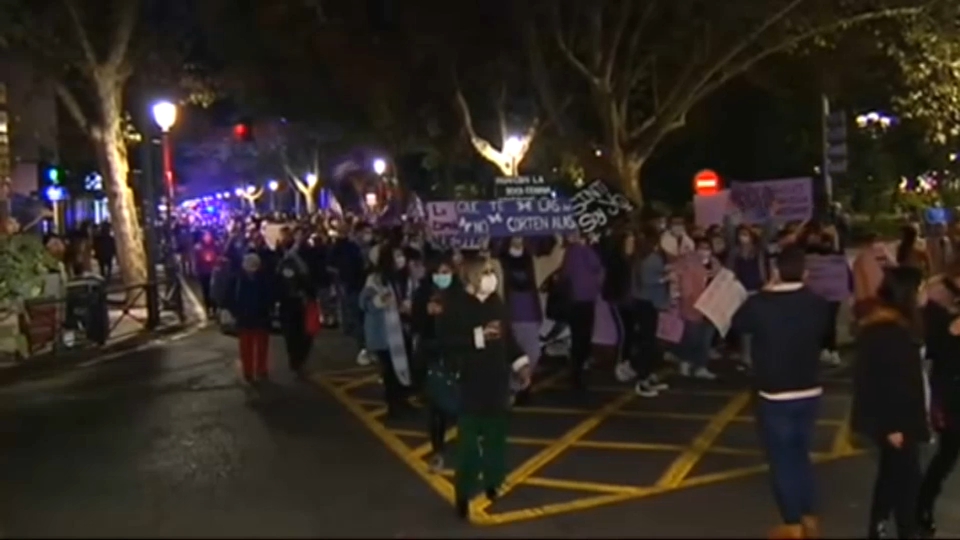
<point>165,116</point>
<point>273,186</point>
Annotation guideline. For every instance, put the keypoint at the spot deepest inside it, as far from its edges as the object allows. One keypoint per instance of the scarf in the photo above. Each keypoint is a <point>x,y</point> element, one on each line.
<point>393,327</point>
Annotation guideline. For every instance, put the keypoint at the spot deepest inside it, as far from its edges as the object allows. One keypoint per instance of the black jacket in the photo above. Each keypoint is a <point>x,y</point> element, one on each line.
<point>484,373</point>
<point>888,379</point>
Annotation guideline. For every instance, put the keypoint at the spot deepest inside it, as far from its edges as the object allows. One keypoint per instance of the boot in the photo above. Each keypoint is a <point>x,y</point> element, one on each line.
<point>925,520</point>
<point>811,526</point>
<point>786,532</point>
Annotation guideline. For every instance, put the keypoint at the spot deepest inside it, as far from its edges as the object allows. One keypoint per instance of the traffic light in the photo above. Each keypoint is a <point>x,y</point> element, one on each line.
<point>243,131</point>
<point>50,175</point>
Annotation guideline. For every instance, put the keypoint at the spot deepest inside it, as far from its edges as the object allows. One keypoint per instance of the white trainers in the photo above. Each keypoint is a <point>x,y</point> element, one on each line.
<point>653,381</point>
<point>831,358</point>
<point>705,374</point>
<point>643,389</point>
<point>685,369</point>
<point>363,359</point>
<point>624,372</point>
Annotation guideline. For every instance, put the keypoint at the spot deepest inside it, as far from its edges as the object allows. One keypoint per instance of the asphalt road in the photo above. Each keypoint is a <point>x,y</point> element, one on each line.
<point>165,442</point>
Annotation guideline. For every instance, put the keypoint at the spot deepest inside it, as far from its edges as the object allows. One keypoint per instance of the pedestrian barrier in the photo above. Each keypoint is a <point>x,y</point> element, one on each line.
<point>92,314</point>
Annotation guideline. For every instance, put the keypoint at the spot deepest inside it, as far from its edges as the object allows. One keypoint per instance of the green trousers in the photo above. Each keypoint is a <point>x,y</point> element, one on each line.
<point>481,453</point>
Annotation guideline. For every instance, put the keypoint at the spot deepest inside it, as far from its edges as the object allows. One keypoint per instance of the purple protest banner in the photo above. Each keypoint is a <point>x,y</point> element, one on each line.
<point>670,326</point>
<point>829,276</point>
<point>793,198</point>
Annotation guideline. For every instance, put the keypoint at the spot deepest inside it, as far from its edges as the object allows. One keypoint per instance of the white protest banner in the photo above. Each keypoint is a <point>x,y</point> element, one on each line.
<point>721,299</point>
<point>710,210</point>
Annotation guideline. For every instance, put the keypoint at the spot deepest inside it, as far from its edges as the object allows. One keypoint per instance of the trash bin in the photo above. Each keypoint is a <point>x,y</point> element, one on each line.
<point>86,309</point>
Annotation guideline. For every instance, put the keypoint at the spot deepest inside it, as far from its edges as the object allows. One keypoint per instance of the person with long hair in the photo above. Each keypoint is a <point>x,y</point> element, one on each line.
<point>474,327</point>
<point>910,252</point>
<point>440,370</point>
<point>942,331</point>
<point>889,401</point>
<point>523,298</point>
<point>649,295</point>
<point>382,306</point>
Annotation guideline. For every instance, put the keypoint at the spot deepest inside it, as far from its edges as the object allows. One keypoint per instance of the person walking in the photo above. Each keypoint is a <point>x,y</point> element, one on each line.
<point>474,327</point>
<point>889,400</point>
<point>295,292</point>
<point>251,305</point>
<point>787,322</point>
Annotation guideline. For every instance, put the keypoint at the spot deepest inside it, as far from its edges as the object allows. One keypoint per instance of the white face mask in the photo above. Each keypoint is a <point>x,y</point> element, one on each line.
<point>400,261</point>
<point>488,284</point>
<point>516,251</point>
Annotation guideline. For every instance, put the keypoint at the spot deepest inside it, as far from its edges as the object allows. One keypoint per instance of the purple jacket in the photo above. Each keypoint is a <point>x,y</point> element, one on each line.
<point>583,270</point>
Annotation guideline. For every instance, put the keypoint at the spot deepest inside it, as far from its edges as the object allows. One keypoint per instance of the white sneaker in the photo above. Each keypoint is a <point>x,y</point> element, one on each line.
<point>705,374</point>
<point>685,369</point>
<point>653,381</point>
<point>642,389</point>
<point>624,372</point>
<point>831,358</point>
<point>363,359</point>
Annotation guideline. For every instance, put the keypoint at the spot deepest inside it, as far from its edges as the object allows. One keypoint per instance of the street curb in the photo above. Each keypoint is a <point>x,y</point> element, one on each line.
<point>52,362</point>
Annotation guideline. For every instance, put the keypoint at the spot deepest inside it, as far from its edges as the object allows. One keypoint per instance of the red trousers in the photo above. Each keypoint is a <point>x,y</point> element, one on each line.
<point>254,345</point>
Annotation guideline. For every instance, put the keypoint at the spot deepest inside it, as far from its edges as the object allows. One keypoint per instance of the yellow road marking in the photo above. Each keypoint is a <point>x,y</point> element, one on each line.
<point>551,452</point>
<point>841,439</point>
<point>685,463</point>
<point>557,508</point>
<point>576,485</point>
<point>346,371</point>
<point>357,383</point>
<point>551,381</point>
<point>443,487</point>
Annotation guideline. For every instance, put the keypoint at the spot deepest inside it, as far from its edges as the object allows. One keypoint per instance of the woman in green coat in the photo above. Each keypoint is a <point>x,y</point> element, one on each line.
<point>474,327</point>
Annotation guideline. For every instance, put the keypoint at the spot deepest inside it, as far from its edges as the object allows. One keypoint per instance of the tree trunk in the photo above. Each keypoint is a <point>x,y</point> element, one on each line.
<point>112,157</point>
<point>309,203</point>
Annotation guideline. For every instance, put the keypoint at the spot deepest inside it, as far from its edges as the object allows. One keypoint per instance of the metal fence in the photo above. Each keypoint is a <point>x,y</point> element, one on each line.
<point>93,314</point>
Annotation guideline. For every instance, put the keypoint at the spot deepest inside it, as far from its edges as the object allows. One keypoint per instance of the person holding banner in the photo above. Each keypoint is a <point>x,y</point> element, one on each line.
<point>694,272</point>
<point>523,299</point>
<point>583,272</point>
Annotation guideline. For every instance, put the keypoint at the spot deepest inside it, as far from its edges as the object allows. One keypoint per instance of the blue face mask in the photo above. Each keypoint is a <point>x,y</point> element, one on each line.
<point>442,281</point>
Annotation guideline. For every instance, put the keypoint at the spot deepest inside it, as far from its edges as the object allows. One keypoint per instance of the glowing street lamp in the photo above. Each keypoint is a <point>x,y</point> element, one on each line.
<point>874,119</point>
<point>379,166</point>
<point>312,180</point>
<point>273,186</point>
<point>165,115</point>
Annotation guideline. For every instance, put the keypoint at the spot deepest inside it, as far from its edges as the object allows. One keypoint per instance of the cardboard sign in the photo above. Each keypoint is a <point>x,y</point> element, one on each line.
<point>595,206</point>
<point>521,187</point>
<point>721,299</point>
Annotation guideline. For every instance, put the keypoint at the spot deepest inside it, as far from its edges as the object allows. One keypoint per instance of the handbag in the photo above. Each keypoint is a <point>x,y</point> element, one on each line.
<point>443,387</point>
<point>312,317</point>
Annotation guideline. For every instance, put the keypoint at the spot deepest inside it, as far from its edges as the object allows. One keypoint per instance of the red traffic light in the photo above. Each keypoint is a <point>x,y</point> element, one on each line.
<point>241,131</point>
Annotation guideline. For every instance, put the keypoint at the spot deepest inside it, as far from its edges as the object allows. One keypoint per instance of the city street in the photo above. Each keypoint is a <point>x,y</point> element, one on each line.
<point>166,442</point>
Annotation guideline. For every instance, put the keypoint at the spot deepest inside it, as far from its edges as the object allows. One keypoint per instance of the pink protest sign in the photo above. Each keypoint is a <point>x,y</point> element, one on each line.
<point>670,326</point>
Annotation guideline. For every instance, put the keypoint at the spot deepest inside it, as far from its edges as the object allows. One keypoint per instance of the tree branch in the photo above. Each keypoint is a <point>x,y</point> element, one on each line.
<point>626,9</point>
<point>73,108</point>
<point>83,40</point>
<point>568,54</point>
<point>126,24</point>
<point>501,106</point>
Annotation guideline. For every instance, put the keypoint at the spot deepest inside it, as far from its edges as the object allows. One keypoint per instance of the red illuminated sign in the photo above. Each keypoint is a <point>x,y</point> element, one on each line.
<point>706,182</point>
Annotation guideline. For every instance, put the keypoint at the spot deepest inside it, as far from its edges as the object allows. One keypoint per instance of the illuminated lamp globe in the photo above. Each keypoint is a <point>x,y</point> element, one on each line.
<point>165,115</point>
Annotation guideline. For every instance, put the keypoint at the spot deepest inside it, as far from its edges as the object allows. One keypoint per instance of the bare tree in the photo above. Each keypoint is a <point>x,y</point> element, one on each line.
<point>513,148</point>
<point>636,68</point>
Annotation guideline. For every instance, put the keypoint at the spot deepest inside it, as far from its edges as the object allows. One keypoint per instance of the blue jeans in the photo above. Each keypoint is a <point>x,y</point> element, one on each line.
<point>786,430</point>
<point>696,342</point>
